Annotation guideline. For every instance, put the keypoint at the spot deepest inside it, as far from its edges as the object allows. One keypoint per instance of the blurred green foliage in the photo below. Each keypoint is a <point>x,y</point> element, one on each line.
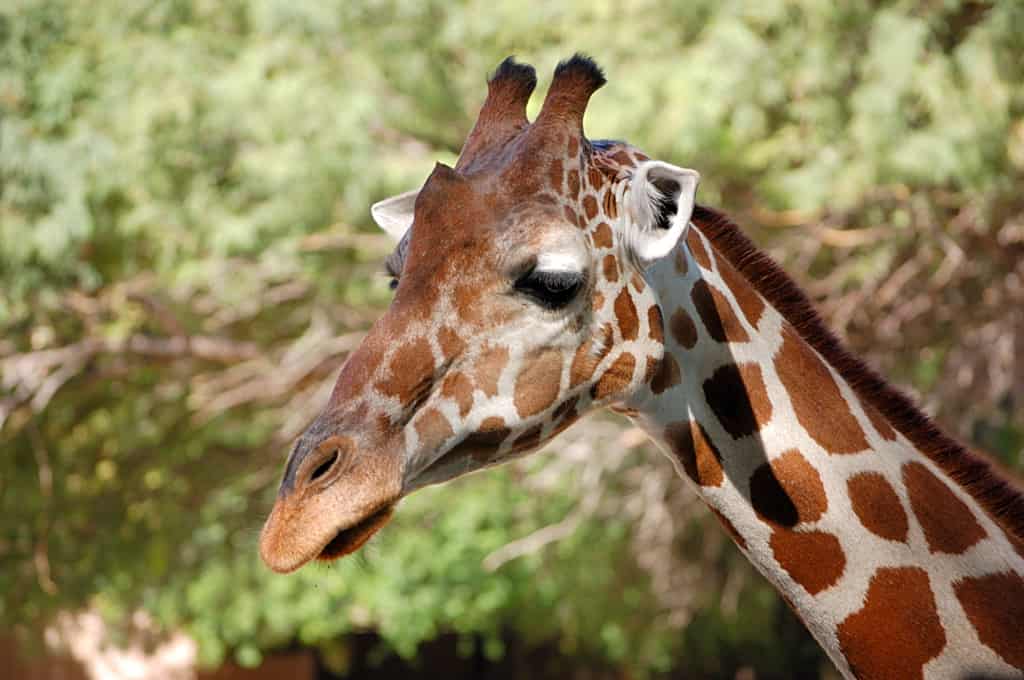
<point>186,255</point>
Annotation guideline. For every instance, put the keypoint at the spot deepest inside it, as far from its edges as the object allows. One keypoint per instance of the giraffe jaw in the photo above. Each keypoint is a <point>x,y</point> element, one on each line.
<point>284,549</point>
<point>348,540</point>
<point>330,517</point>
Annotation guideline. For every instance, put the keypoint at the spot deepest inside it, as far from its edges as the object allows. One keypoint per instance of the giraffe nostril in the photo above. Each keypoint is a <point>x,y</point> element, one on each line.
<point>323,467</point>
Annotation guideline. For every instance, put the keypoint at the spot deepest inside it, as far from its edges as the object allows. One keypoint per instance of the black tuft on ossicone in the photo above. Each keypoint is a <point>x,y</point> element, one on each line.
<point>512,70</point>
<point>582,65</point>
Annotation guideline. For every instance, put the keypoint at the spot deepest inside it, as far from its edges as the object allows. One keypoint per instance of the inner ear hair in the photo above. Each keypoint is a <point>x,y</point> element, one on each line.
<point>665,201</point>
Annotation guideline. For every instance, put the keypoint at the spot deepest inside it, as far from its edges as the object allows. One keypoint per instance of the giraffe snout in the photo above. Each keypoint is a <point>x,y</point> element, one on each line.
<point>335,494</point>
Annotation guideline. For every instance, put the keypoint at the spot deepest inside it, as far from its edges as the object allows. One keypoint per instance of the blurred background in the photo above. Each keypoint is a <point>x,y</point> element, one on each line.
<point>186,257</point>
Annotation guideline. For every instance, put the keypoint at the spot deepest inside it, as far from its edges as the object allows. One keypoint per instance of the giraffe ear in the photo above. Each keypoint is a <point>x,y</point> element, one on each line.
<point>660,201</point>
<point>394,215</point>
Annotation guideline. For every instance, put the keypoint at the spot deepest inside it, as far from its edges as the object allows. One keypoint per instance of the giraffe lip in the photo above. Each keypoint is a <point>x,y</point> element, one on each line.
<point>352,538</point>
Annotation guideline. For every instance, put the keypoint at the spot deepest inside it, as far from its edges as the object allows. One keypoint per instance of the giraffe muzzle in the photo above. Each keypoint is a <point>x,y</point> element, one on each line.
<point>330,503</point>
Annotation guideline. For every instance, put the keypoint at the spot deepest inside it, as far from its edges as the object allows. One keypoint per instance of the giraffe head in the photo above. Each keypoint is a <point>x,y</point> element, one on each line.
<point>520,305</point>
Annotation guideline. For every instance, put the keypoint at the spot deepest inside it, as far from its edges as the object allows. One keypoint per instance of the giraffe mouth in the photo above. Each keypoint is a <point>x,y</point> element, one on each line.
<point>354,537</point>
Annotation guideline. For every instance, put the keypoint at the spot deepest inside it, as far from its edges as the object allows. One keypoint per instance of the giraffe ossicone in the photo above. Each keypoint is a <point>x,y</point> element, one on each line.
<point>546,276</point>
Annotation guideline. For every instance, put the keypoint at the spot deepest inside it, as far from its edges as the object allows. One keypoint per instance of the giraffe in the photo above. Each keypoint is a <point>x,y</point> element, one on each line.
<point>546,276</point>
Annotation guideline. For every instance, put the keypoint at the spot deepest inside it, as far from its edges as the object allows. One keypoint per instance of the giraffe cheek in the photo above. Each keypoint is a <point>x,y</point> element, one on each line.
<point>537,385</point>
<point>590,354</point>
<point>492,363</point>
<point>411,365</point>
<point>616,379</point>
<point>433,429</point>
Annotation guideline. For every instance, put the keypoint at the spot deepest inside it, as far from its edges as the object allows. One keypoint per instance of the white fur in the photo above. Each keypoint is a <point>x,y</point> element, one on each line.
<point>566,261</point>
<point>394,215</point>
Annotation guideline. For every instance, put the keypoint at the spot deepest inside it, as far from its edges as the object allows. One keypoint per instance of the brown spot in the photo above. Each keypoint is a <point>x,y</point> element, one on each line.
<point>994,604</point>
<point>537,384</point>
<point>814,559</point>
<point>555,175</point>
<point>611,268</point>
<point>528,439</point>
<point>877,506</point>
<point>898,629</point>
<point>682,328</point>
<point>492,424</point>
<point>459,387</point>
<point>655,326</point>
<point>586,359</point>
<point>566,409</point>
<point>638,282</point>
<point>717,314</point>
<point>748,299</point>
<point>583,364</point>
<point>625,312</point>
<point>482,443</point>
<point>623,158</point>
<point>574,184</point>
<point>594,177</point>
<point>492,362</point>
<point>730,528</point>
<point>695,450</point>
<point>788,490</point>
<point>682,264</point>
<point>651,368</point>
<point>574,146</point>
<point>603,236</point>
<point>433,428</point>
<point>590,206</point>
<point>696,247</point>
<point>666,376</point>
<point>737,396</point>
<point>451,343</point>
<point>570,215</point>
<point>611,209</point>
<point>411,370</point>
<point>880,424</point>
<point>616,378</point>
<point>581,221</point>
<point>947,522</point>
<point>598,301</point>
<point>819,406</point>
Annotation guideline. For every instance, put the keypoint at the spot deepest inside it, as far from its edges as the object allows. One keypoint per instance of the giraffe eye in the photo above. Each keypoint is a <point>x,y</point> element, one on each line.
<point>552,290</point>
<point>393,265</point>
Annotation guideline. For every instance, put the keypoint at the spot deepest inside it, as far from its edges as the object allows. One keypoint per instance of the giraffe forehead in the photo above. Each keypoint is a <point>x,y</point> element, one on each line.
<point>509,196</point>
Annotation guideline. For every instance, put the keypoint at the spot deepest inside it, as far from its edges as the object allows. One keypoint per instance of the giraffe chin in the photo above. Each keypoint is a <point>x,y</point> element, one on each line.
<point>349,540</point>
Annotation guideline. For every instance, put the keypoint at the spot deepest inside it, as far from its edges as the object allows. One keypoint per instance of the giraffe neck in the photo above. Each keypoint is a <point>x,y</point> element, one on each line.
<point>896,568</point>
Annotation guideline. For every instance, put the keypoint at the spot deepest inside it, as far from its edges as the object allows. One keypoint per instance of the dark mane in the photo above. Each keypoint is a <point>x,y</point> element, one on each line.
<point>585,67</point>
<point>1001,500</point>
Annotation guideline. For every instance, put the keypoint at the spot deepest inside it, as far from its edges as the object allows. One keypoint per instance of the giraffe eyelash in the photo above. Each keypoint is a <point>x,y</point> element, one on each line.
<point>550,289</point>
